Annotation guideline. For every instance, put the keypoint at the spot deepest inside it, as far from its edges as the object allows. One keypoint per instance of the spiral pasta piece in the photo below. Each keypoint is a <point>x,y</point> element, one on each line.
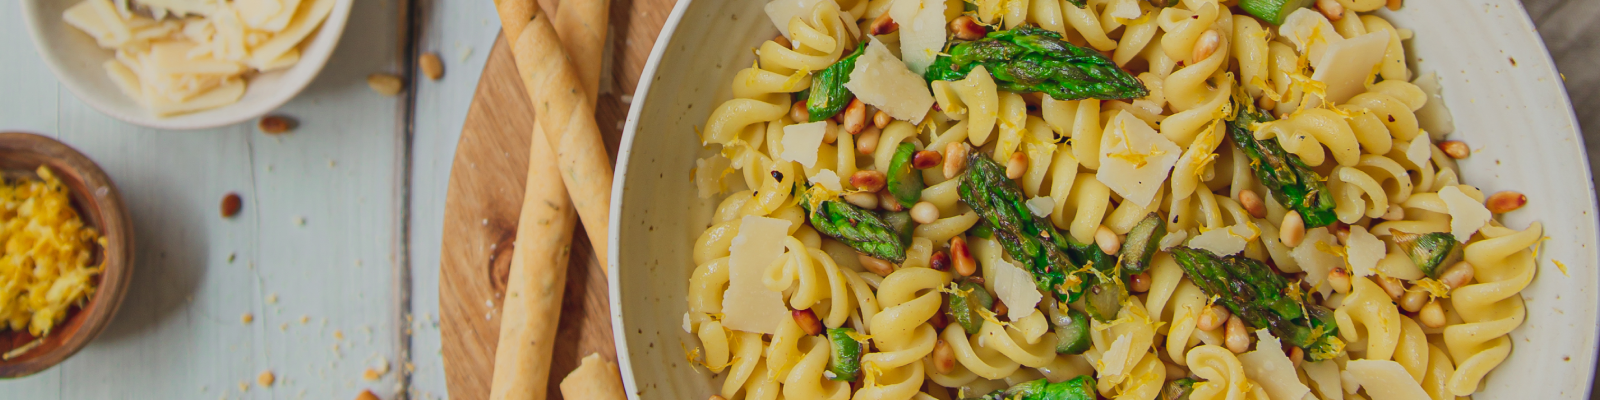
<point>1368,320</point>
<point>1223,374</point>
<point>1503,263</point>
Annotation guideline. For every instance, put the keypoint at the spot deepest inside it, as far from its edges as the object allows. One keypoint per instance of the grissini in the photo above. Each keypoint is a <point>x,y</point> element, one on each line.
<point>595,379</point>
<point>539,262</point>
<point>565,113</point>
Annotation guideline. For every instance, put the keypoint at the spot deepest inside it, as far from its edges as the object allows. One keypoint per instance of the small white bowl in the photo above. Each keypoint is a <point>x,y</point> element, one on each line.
<point>1499,84</point>
<point>76,61</point>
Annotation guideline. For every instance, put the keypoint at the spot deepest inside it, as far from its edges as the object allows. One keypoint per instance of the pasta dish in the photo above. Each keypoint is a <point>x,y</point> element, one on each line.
<point>1082,199</point>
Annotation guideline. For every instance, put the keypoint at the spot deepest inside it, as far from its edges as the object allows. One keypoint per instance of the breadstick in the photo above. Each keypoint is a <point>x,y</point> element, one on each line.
<point>567,116</point>
<point>539,262</point>
<point>595,379</point>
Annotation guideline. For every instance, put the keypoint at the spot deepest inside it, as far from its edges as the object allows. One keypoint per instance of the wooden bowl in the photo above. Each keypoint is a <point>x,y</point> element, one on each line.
<point>99,205</point>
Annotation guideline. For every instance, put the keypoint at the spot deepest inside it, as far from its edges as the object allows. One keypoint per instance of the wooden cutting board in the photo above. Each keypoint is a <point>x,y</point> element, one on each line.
<point>485,197</point>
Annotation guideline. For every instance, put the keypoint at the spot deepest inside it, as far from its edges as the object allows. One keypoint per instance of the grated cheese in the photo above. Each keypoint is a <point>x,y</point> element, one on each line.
<point>45,254</point>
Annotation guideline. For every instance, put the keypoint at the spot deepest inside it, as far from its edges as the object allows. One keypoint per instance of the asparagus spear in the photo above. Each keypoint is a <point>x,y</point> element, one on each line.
<point>905,181</point>
<point>1142,242</point>
<point>963,307</point>
<point>1292,183</point>
<point>862,230</point>
<point>1032,59</point>
<point>1072,335</point>
<point>1264,299</point>
<point>828,94</point>
<point>1429,251</point>
<point>1272,11</point>
<point>1027,238</point>
<point>845,363</point>
<point>1178,389</point>
<point>1080,388</point>
<point>902,224</point>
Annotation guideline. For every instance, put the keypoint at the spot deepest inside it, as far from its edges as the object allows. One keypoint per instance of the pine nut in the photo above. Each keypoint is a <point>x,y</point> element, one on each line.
<point>1455,149</point>
<point>1395,213</point>
<point>1457,275</point>
<point>799,114</point>
<point>955,159</point>
<point>881,119</point>
<point>385,84</point>
<point>967,28</point>
<point>924,213</point>
<point>865,200</point>
<point>830,133</point>
<point>1296,355</point>
<point>1393,287</point>
<point>1394,5</point>
<point>1000,307</point>
<point>783,41</point>
<point>889,202</point>
<point>1238,338</point>
<point>1139,283</point>
<point>868,180</point>
<point>1341,232</point>
<point>1017,165</point>
<point>1340,280</point>
<point>1212,317</point>
<point>1108,240</point>
<point>875,265</point>
<point>1331,9</point>
<point>1414,300</point>
<point>925,159</point>
<point>961,257</point>
<point>1252,203</point>
<point>1207,44</point>
<point>940,261</point>
<point>1293,229</point>
<point>1432,315</point>
<point>1266,103</point>
<point>431,66</point>
<point>276,124</point>
<point>1507,201</point>
<point>854,117</point>
<point>867,141</point>
<point>944,359</point>
<point>1175,372</point>
<point>808,321</point>
<point>883,25</point>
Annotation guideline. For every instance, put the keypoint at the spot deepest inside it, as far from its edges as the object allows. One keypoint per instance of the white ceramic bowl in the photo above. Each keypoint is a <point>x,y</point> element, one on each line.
<point>76,61</point>
<point>1498,81</point>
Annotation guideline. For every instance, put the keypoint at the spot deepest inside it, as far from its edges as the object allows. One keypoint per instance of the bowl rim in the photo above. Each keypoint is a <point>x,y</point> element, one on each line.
<point>669,29</point>
<point>115,225</point>
<point>333,25</point>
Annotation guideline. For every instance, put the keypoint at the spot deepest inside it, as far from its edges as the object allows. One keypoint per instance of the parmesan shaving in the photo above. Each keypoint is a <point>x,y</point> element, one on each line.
<point>883,81</point>
<point>1268,367</point>
<point>801,142</point>
<point>1041,206</point>
<point>1346,65</point>
<point>1226,241</point>
<point>1385,380</point>
<point>922,31</point>
<point>1135,159</point>
<point>1015,288</point>
<point>748,305</point>
<point>1467,215</point>
<point>1420,151</point>
<point>1363,251</point>
<point>1317,255</point>
<point>828,179</point>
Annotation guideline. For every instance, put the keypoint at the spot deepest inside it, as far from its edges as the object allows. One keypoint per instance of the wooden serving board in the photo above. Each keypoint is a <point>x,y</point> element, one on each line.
<point>484,199</point>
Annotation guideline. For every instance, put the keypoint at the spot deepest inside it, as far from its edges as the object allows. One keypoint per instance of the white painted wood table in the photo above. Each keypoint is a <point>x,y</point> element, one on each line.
<point>355,286</point>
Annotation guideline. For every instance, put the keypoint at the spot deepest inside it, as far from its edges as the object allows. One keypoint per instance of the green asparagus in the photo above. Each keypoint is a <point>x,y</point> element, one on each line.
<point>901,223</point>
<point>905,181</point>
<point>1178,389</point>
<point>1141,244</point>
<point>1072,332</point>
<point>1292,183</point>
<point>1430,251</point>
<point>1032,59</point>
<point>963,306</point>
<point>845,362</point>
<point>862,230</point>
<point>1272,11</point>
<point>1264,299</point>
<point>1027,238</point>
<point>828,94</point>
<point>1080,388</point>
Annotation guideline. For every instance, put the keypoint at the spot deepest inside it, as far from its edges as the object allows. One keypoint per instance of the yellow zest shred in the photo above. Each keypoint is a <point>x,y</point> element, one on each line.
<point>795,78</point>
<point>45,254</point>
<point>1433,287</point>
<point>1139,160</point>
<point>1560,265</point>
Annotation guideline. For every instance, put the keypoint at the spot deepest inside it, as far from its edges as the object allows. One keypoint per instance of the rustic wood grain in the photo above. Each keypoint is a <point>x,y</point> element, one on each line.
<point>482,205</point>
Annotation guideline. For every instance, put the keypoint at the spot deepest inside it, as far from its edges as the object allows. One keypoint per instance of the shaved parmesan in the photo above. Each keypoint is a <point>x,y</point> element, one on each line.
<point>802,141</point>
<point>1318,254</point>
<point>1434,117</point>
<point>708,173</point>
<point>1135,159</point>
<point>748,305</point>
<point>1310,32</point>
<point>1172,239</point>
<point>1347,65</point>
<point>1041,206</point>
<point>1467,215</point>
<point>882,81</point>
<point>1114,362</point>
<point>828,179</point>
<point>1225,241</point>
<point>922,31</point>
<point>1397,265</point>
<point>1385,380</point>
<point>1015,288</point>
<point>1363,250</point>
<point>783,11</point>
<point>1420,151</point>
<point>1268,367</point>
<point>1325,376</point>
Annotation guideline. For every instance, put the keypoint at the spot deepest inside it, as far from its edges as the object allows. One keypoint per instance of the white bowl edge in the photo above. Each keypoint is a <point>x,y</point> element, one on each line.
<point>1525,100</point>
<point>90,84</point>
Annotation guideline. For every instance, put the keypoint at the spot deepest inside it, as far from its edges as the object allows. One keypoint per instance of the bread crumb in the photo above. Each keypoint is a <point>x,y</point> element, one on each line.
<point>284,327</point>
<point>300,221</point>
<point>367,395</point>
<point>244,386</point>
<point>304,319</point>
<point>246,318</point>
<point>371,375</point>
<point>338,334</point>
<point>265,379</point>
<point>272,298</point>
